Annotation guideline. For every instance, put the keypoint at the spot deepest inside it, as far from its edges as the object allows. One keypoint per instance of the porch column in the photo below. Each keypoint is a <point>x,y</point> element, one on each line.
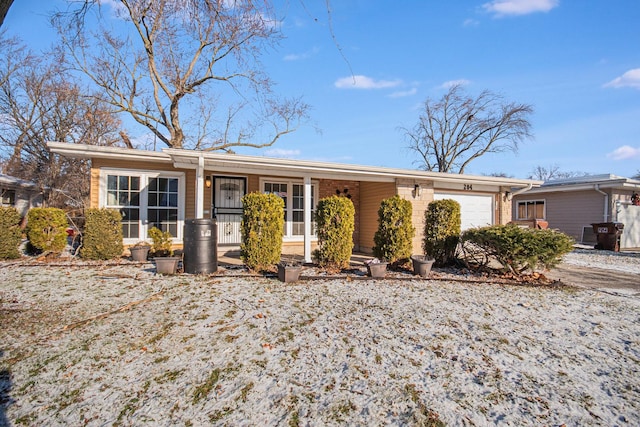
<point>307,219</point>
<point>200,188</point>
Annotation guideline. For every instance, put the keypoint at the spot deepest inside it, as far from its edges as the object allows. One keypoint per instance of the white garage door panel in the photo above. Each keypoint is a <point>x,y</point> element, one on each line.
<point>475,210</point>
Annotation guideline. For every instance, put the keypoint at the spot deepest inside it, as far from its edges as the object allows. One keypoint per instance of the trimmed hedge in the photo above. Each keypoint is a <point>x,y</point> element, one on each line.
<point>102,237</point>
<point>517,249</point>
<point>10,233</point>
<point>47,229</point>
<point>442,231</point>
<point>335,222</point>
<point>262,229</point>
<point>393,239</point>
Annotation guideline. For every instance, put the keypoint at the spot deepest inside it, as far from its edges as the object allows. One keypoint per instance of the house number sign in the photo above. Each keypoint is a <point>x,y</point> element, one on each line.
<point>468,187</point>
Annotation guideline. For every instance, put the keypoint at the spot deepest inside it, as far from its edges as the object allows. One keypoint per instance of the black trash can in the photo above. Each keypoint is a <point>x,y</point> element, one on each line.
<point>200,246</point>
<point>608,235</point>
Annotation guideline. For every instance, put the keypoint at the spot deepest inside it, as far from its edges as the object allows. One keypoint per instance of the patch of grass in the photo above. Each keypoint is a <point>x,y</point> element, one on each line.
<point>245,391</point>
<point>202,391</point>
<point>161,359</point>
<point>218,415</point>
<point>424,415</point>
<point>163,332</point>
<point>168,376</point>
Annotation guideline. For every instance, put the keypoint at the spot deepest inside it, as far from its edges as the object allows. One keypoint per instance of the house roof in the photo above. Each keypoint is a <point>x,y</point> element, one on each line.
<point>233,163</point>
<point>14,182</point>
<point>588,182</point>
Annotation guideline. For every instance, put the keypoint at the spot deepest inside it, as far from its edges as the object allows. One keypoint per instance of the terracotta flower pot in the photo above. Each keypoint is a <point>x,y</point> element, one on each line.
<point>289,273</point>
<point>377,270</point>
<point>422,265</point>
<point>139,253</point>
<point>166,265</point>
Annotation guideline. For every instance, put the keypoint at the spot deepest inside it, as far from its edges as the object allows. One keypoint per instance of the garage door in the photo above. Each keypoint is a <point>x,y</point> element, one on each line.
<point>475,210</point>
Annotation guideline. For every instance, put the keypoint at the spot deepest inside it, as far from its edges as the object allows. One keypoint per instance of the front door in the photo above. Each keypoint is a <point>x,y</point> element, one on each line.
<point>227,207</point>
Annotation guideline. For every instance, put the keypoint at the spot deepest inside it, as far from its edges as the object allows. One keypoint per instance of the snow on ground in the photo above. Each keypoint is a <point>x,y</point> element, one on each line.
<point>626,262</point>
<point>118,345</point>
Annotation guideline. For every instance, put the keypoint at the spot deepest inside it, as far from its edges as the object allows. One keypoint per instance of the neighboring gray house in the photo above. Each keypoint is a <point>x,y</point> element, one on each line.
<point>571,205</point>
<point>20,194</point>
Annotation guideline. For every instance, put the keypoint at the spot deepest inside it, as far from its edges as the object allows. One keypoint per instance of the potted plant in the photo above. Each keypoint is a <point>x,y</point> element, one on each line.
<point>422,264</point>
<point>289,270</point>
<point>140,251</point>
<point>162,252</point>
<point>376,268</point>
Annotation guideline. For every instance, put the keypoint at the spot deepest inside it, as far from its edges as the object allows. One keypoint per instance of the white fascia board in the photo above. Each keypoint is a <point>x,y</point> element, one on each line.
<point>82,151</point>
<point>296,168</point>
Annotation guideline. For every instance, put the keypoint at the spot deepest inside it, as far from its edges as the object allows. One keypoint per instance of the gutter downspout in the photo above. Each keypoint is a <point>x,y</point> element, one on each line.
<point>596,187</point>
<point>520,191</point>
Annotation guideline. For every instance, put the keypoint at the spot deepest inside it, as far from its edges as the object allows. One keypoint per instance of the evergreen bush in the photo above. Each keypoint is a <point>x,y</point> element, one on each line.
<point>102,237</point>
<point>47,229</point>
<point>442,231</point>
<point>517,249</point>
<point>335,222</point>
<point>10,233</point>
<point>162,242</point>
<point>262,229</point>
<point>392,241</point>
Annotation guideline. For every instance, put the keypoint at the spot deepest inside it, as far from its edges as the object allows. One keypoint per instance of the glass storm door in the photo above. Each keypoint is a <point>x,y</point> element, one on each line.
<point>227,208</point>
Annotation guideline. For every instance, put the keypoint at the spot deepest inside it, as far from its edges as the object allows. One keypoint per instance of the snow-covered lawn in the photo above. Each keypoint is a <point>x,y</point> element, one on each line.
<point>119,345</point>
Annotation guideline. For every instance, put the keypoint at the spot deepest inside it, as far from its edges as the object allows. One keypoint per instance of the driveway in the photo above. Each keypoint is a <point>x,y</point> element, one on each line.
<point>596,278</point>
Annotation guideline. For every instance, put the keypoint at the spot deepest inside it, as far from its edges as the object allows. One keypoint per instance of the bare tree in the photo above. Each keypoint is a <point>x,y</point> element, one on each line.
<point>4,8</point>
<point>553,172</point>
<point>38,104</point>
<point>187,70</point>
<point>457,129</point>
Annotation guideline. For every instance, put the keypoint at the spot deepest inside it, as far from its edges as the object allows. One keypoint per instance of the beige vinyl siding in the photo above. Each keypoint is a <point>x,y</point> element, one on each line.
<point>569,211</point>
<point>371,194</point>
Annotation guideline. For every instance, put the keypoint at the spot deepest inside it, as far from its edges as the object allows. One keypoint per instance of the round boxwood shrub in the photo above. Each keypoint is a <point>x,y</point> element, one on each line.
<point>335,222</point>
<point>47,229</point>
<point>442,231</point>
<point>262,229</point>
<point>102,238</point>
<point>10,233</point>
<point>393,239</point>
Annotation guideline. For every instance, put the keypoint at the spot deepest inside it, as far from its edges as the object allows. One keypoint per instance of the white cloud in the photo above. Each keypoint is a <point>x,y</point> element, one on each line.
<point>629,79</point>
<point>625,152</point>
<point>501,8</point>
<point>402,94</point>
<point>364,82</point>
<point>300,56</point>
<point>451,83</point>
<point>282,153</point>
<point>470,23</point>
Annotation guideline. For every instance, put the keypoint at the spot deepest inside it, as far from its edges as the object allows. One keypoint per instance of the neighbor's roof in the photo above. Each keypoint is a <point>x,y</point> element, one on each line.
<point>17,182</point>
<point>588,182</point>
<point>234,163</point>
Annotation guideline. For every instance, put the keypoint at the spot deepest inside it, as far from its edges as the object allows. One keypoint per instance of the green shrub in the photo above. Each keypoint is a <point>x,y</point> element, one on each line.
<point>442,231</point>
<point>47,229</point>
<point>517,249</point>
<point>262,229</point>
<point>102,237</point>
<point>10,233</point>
<point>162,242</point>
<point>335,221</point>
<point>392,240</point>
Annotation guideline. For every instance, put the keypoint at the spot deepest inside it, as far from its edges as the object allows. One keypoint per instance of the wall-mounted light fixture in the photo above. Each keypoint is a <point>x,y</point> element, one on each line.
<point>344,193</point>
<point>207,181</point>
<point>416,190</point>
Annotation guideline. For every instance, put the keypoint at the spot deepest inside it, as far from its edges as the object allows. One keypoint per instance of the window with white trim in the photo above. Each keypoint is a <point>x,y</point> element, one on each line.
<point>292,193</point>
<point>531,209</point>
<point>8,197</point>
<point>145,199</point>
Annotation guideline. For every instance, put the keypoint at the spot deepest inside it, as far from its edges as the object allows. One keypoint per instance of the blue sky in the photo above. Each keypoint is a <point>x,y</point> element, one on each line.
<point>367,67</point>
